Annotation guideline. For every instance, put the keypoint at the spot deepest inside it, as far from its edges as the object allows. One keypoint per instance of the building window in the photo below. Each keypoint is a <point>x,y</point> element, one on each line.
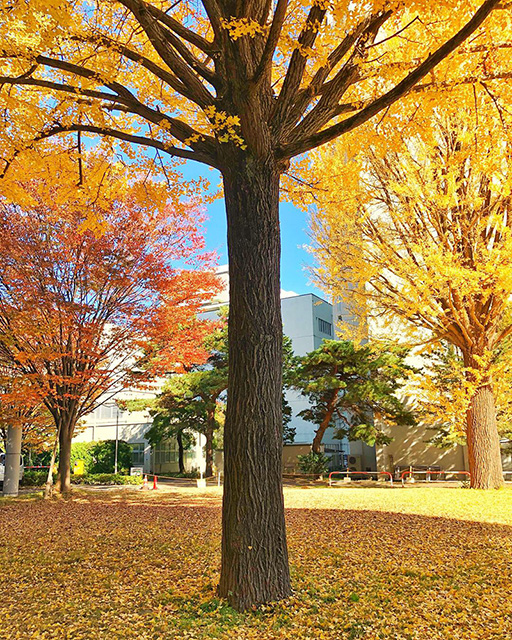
<point>137,454</point>
<point>108,412</point>
<point>166,452</point>
<point>325,327</point>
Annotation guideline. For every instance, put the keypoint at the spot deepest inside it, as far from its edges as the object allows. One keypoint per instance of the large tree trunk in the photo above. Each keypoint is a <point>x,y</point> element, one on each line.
<point>181,461</point>
<point>254,552</point>
<point>483,440</point>
<point>12,461</point>
<point>65,437</point>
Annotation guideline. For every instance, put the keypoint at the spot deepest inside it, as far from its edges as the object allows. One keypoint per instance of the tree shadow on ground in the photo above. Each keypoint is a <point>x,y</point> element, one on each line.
<point>121,568</point>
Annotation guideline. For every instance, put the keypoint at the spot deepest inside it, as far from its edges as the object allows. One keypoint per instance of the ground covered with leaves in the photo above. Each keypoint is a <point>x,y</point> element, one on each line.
<point>418,563</point>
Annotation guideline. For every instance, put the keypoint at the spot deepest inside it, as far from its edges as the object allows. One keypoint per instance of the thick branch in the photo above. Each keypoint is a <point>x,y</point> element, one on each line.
<point>332,92</point>
<point>189,58</point>
<point>298,64</point>
<point>401,89</point>
<point>265,64</point>
<point>316,85</point>
<point>164,75</point>
<point>176,26</point>
<point>179,129</point>
<point>196,91</point>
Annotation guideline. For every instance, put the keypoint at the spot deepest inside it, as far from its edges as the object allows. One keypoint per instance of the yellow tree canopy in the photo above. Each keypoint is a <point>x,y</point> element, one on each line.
<point>159,74</point>
<point>426,235</point>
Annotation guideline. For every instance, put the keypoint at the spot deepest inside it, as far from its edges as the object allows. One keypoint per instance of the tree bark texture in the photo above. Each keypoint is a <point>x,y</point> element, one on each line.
<point>65,437</point>
<point>254,552</point>
<point>12,461</point>
<point>483,441</point>
<point>317,440</point>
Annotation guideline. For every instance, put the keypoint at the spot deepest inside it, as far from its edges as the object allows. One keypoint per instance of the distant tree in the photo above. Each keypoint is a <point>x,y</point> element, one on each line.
<point>426,241</point>
<point>103,454</point>
<point>353,389</point>
<point>84,302</point>
<point>193,401</point>
<point>288,431</point>
<point>177,424</point>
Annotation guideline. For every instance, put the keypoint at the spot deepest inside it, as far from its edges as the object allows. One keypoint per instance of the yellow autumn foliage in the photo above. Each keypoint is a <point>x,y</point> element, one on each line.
<point>421,563</point>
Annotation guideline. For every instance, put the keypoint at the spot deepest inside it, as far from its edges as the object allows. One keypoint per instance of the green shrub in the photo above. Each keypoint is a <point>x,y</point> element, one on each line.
<point>36,478</point>
<point>177,474</point>
<point>83,451</point>
<point>313,463</point>
<point>106,478</point>
<point>103,454</point>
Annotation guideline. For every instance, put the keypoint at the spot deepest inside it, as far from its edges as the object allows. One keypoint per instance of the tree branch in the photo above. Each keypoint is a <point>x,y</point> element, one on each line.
<point>265,64</point>
<point>174,25</point>
<point>325,108</point>
<point>402,88</point>
<point>119,135</point>
<point>195,89</point>
<point>297,65</point>
<point>179,129</point>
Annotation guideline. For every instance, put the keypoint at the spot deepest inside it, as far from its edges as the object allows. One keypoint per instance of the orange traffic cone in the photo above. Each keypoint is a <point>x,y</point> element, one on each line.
<point>145,486</point>
<point>155,486</point>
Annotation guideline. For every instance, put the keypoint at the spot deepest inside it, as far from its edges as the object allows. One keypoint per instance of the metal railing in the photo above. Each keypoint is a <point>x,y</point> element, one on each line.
<point>428,473</point>
<point>348,473</point>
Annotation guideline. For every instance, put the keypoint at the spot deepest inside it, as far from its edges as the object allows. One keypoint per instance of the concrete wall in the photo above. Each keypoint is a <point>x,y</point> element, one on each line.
<point>301,316</point>
<point>410,448</point>
<point>290,453</point>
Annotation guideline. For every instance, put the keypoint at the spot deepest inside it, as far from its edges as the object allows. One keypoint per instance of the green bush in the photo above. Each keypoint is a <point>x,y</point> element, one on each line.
<point>177,474</point>
<point>313,463</point>
<point>103,454</point>
<point>83,451</point>
<point>106,478</point>
<point>36,478</point>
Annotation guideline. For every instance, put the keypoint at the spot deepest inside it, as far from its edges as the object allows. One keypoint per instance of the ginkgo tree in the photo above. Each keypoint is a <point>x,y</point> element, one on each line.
<point>427,238</point>
<point>82,310</point>
<point>245,87</point>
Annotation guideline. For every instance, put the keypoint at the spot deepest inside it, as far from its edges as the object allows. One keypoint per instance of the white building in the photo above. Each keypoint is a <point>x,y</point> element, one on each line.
<point>307,321</point>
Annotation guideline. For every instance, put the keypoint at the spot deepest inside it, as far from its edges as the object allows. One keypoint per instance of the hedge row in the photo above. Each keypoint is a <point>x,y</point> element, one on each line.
<point>38,479</point>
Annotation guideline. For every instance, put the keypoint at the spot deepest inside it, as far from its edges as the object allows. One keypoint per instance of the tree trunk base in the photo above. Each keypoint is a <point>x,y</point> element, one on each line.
<point>483,442</point>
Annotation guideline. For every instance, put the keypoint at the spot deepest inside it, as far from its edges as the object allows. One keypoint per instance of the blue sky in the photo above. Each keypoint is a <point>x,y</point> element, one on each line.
<point>294,258</point>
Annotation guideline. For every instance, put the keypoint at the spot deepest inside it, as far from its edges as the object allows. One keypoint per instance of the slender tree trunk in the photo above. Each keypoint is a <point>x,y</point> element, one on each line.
<point>317,440</point>
<point>181,462</point>
<point>483,440</point>
<point>48,489</point>
<point>254,552</point>
<point>210,428</point>
<point>12,461</point>
<point>65,437</point>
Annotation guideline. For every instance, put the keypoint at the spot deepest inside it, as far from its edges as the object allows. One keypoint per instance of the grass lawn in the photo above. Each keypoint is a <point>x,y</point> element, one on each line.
<point>422,563</point>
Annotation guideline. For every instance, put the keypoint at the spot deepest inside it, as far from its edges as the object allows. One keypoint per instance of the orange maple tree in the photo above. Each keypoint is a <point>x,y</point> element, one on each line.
<point>90,299</point>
